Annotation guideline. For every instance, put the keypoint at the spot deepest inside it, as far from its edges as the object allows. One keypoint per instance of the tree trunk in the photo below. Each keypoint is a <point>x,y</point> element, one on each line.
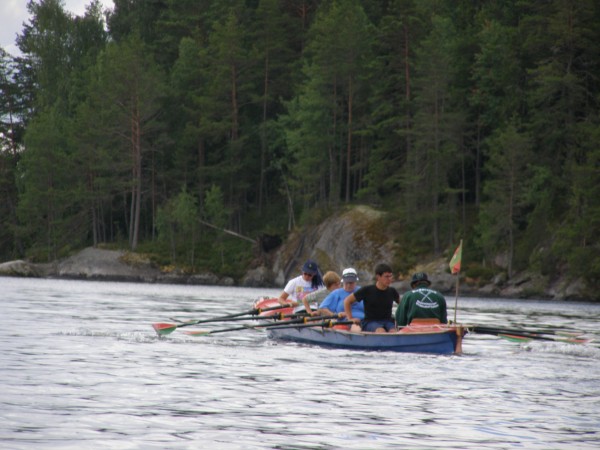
<point>407,90</point>
<point>263,136</point>
<point>136,190</point>
<point>349,141</point>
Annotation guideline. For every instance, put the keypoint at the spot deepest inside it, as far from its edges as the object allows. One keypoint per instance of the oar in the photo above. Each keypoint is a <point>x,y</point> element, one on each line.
<point>523,335</point>
<point>279,316</point>
<point>536,332</point>
<point>163,329</point>
<point>324,324</point>
<point>517,332</point>
<point>301,322</point>
<point>244,327</point>
<point>518,338</point>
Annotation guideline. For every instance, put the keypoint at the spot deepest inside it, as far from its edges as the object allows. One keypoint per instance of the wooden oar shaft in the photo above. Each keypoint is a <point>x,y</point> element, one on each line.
<point>242,318</point>
<point>548,332</point>
<point>167,328</point>
<point>226,330</point>
<point>300,322</point>
<point>324,324</point>
<point>519,333</point>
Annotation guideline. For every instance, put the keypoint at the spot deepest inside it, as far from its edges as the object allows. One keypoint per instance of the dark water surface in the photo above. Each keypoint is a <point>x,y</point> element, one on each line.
<point>81,368</point>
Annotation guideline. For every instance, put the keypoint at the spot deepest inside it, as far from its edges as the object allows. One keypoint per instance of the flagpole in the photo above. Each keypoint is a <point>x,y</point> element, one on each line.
<point>457,277</point>
<point>456,299</point>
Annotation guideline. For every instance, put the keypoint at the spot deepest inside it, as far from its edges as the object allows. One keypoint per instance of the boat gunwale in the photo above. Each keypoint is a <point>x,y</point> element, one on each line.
<point>405,342</point>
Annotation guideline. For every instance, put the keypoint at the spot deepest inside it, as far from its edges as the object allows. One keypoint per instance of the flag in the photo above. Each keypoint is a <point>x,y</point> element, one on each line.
<point>456,259</point>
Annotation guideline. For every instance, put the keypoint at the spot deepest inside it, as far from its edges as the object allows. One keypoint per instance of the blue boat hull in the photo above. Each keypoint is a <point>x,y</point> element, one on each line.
<point>442,343</point>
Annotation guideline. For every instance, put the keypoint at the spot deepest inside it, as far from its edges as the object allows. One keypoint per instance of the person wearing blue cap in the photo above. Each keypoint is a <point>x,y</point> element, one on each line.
<point>310,280</point>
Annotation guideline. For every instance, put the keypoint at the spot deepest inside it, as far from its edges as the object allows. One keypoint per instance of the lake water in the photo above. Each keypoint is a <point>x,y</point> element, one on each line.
<point>81,368</point>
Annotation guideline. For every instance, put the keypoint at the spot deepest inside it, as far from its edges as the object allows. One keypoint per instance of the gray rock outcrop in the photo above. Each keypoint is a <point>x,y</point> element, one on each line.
<point>95,263</point>
<point>19,268</point>
<point>355,238</point>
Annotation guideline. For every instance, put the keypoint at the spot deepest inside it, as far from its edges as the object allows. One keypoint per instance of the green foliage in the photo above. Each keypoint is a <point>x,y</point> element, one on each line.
<point>49,210</point>
<point>577,237</point>
<point>177,226</point>
<point>214,207</point>
<point>510,156</point>
<point>496,73</point>
<point>468,118</point>
<point>480,272</point>
<point>319,125</point>
<point>434,134</point>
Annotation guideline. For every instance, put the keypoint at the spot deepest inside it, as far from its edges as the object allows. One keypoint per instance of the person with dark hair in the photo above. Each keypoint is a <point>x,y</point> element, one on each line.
<point>421,302</point>
<point>378,300</point>
<point>308,281</point>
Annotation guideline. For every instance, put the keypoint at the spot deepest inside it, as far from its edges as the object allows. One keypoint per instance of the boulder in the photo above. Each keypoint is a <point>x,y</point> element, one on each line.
<point>19,268</point>
<point>259,277</point>
<point>95,263</point>
<point>356,237</point>
<point>203,279</point>
<point>226,281</point>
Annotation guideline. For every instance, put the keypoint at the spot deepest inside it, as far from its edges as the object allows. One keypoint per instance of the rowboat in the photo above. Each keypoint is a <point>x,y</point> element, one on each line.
<point>287,323</point>
<point>418,337</point>
<point>269,303</point>
<point>442,342</point>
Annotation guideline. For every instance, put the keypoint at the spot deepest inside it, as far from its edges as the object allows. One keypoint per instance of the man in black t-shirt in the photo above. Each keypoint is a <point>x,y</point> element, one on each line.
<point>378,300</point>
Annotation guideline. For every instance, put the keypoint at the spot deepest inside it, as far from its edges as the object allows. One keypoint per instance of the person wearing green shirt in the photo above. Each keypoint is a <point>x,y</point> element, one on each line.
<point>421,302</point>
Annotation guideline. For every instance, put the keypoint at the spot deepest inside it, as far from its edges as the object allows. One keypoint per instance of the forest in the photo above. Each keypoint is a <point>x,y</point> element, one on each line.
<point>152,125</point>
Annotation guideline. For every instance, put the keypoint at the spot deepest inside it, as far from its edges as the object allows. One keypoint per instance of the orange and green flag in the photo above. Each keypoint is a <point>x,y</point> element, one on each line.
<point>456,259</point>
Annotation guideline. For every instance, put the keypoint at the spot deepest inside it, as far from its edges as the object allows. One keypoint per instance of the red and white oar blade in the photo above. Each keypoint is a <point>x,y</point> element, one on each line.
<point>162,329</point>
<point>513,338</point>
<point>197,332</point>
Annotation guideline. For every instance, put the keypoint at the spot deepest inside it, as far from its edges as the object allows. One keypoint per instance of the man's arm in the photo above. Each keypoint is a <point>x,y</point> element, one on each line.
<point>325,306</point>
<point>348,307</point>
<point>306,303</point>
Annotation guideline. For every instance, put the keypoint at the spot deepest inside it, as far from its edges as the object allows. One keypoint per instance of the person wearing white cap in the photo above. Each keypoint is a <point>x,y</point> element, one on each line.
<point>334,302</point>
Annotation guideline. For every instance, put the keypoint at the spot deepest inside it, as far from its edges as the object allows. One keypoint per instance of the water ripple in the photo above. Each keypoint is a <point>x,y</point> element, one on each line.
<point>82,368</point>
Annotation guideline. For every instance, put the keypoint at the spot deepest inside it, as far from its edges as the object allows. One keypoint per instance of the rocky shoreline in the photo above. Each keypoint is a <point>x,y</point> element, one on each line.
<point>353,237</point>
<point>113,265</point>
<point>107,265</point>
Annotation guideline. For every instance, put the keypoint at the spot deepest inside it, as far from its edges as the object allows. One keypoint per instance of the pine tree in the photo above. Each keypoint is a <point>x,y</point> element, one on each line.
<point>505,192</point>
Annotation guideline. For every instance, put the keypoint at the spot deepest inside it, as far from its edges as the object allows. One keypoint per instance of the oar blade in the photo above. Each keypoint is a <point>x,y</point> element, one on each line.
<point>573,334</point>
<point>162,329</point>
<point>197,332</point>
<point>526,336</point>
<point>513,338</point>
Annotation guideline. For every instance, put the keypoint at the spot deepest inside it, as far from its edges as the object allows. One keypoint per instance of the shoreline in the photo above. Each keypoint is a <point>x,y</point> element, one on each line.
<point>93,264</point>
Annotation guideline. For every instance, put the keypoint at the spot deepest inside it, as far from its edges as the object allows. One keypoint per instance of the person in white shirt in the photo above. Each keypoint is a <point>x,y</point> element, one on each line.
<point>309,281</point>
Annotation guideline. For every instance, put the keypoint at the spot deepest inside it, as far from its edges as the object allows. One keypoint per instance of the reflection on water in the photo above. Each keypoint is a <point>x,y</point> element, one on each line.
<point>81,367</point>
